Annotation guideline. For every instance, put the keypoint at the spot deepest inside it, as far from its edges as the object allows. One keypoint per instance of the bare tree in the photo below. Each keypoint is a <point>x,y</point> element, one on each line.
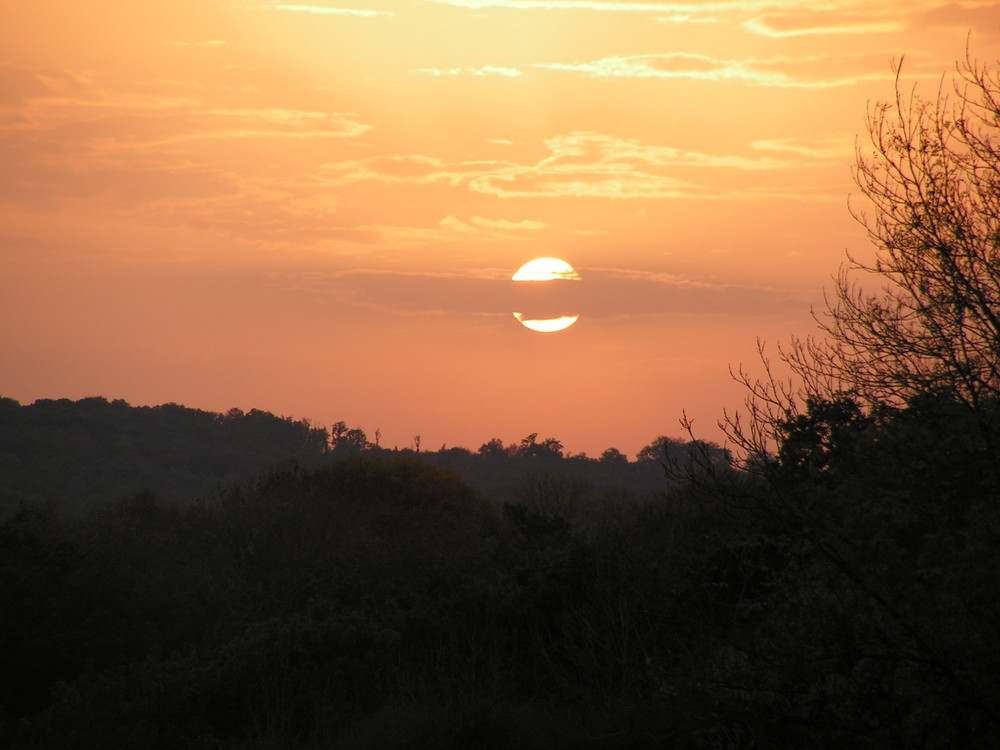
<point>931,180</point>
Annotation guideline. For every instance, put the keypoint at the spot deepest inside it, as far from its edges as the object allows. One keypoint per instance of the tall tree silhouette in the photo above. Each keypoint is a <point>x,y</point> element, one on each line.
<point>931,179</point>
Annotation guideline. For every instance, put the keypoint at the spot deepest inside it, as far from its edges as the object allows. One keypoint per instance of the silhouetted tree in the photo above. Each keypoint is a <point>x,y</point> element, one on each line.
<point>613,456</point>
<point>346,439</point>
<point>530,447</point>
<point>493,447</point>
<point>660,449</point>
<point>931,177</point>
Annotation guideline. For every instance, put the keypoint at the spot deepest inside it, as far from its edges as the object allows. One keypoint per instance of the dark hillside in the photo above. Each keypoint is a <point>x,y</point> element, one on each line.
<point>81,454</point>
<point>844,595</point>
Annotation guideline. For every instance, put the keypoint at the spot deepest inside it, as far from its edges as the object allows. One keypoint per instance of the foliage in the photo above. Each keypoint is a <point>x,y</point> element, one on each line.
<point>931,183</point>
<point>845,595</point>
<point>871,618</point>
<point>344,439</point>
<point>85,453</point>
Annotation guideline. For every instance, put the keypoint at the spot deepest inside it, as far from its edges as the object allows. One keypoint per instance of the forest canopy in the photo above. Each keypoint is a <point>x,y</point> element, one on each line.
<point>87,453</point>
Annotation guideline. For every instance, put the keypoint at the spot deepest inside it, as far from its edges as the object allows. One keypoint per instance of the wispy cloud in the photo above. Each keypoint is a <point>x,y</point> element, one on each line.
<point>777,71</point>
<point>807,24</point>
<point>450,230</point>
<point>585,147</point>
<point>678,9</point>
<point>478,224</point>
<point>826,148</point>
<point>208,43</point>
<point>585,164</point>
<point>488,70</point>
<point>19,84</point>
<point>389,169</point>
<point>161,155</point>
<point>687,18</point>
<point>517,226</point>
<point>282,123</point>
<point>778,18</point>
<point>603,5</point>
<point>66,107</point>
<point>602,294</point>
<point>984,16</point>
<point>692,8</point>
<point>314,219</point>
<point>326,10</point>
<point>622,292</point>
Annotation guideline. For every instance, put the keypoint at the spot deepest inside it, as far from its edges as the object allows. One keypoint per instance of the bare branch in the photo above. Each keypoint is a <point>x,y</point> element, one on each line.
<point>930,178</point>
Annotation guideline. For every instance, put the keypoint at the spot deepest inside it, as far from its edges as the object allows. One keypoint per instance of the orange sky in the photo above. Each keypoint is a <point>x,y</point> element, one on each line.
<point>315,208</point>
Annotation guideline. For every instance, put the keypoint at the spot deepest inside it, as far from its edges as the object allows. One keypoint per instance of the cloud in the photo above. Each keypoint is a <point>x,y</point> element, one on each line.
<point>620,6</point>
<point>19,85</point>
<point>388,169</point>
<point>588,147</point>
<point>682,11</point>
<point>496,227</point>
<point>271,123</point>
<point>584,164</point>
<point>452,229</point>
<point>327,10</point>
<point>806,24</point>
<point>619,292</point>
<point>603,293</point>
<point>170,159</point>
<point>587,164</point>
<point>265,215</point>
<point>686,18</point>
<point>602,5</point>
<point>66,106</point>
<point>523,225</point>
<point>423,170</point>
<point>488,70</point>
<point>777,71</point>
<point>779,18</point>
<point>105,121</point>
<point>985,16</point>
<point>826,148</point>
<point>209,43</point>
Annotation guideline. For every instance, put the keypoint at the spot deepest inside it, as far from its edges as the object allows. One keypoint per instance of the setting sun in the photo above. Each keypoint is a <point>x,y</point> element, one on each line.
<point>546,269</point>
<point>548,325</point>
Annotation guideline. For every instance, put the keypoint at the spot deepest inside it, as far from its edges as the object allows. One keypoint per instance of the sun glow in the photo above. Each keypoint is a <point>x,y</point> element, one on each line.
<point>549,325</point>
<point>546,269</point>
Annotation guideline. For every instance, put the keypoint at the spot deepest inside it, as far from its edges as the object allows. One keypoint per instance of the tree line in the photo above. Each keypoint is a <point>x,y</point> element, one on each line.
<point>82,454</point>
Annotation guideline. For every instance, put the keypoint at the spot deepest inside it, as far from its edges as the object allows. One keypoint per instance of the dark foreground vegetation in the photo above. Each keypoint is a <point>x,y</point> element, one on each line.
<point>847,594</point>
<point>836,584</point>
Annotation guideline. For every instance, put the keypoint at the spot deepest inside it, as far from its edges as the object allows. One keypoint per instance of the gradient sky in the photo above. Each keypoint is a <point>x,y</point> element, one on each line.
<point>315,208</point>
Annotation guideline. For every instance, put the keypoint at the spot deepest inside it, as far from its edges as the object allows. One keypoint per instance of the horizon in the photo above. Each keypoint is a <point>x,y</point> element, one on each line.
<point>372,435</point>
<point>315,210</point>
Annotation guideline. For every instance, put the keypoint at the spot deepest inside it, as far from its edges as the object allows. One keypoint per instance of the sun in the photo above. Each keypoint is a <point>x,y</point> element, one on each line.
<point>546,270</point>
<point>547,325</point>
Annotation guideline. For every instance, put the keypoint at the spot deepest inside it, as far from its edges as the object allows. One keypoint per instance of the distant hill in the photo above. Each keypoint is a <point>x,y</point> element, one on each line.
<point>83,454</point>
